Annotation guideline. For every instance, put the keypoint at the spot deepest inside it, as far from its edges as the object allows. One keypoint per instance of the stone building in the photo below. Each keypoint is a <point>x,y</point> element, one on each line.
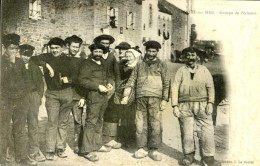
<point>135,21</point>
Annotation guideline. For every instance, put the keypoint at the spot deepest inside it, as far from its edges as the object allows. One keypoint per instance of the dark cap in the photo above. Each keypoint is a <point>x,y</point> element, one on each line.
<point>73,38</point>
<point>92,47</point>
<point>123,46</point>
<point>191,50</point>
<point>56,41</point>
<point>11,39</point>
<point>26,50</point>
<point>104,37</point>
<point>152,44</point>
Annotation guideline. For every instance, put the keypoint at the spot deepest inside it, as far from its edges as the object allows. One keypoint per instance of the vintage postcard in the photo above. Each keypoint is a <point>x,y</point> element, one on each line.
<point>104,82</point>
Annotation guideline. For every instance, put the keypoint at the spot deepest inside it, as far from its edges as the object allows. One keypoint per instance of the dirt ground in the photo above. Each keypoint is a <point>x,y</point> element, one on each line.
<point>171,149</point>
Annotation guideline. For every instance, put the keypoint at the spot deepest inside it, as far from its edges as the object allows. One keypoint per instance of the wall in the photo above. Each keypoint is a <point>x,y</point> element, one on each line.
<point>180,28</point>
<point>34,32</point>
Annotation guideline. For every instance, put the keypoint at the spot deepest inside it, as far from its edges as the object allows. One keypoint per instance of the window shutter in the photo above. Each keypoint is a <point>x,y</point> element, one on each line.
<point>134,17</point>
<point>39,9</point>
<point>128,20</point>
<point>108,15</point>
<point>35,9</point>
<point>116,15</point>
<point>30,9</point>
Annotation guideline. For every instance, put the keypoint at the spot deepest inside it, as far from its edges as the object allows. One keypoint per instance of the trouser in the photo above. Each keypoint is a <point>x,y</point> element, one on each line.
<point>127,127</point>
<point>110,121</point>
<point>32,121</point>
<point>14,109</point>
<point>194,119</point>
<point>78,123</point>
<point>92,134</point>
<point>58,105</point>
<point>148,122</point>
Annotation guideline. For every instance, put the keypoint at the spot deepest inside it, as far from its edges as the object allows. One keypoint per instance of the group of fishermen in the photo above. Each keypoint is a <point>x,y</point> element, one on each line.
<point>124,99</point>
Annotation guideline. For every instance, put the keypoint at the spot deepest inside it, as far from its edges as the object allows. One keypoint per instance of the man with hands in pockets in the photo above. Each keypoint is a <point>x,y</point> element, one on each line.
<point>192,102</point>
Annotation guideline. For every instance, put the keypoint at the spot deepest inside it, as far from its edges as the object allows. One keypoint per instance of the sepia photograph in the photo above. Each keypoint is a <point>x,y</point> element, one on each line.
<point>130,83</point>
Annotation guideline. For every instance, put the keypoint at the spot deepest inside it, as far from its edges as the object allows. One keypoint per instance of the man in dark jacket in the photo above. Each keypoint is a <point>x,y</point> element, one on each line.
<point>94,77</point>
<point>57,72</point>
<point>111,114</point>
<point>13,100</point>
<point>150,79</point>
<point>35,96</point>
<point>77,58</point>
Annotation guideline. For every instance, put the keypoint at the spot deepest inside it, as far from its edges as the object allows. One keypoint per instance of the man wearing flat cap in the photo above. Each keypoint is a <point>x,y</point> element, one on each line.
<point>34,96</point>
<point>77,57</point>
<point>57,72</point>
<point>95,78</point>
<point>13,100</point>
<point>192,102</point>
<point>123,46</point>
<point>150,80</point>
<point>111,114</point>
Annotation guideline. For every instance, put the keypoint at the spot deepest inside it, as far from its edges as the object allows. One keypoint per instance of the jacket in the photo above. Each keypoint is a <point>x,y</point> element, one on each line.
<point>200,88</point>
<point>91,75</point>
<point>36,78</point>
<point>150,80</point>
<point>78,91</point>
<point>14,80</point>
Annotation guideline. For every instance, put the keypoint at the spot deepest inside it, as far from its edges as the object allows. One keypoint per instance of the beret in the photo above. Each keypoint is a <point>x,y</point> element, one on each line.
<point>11,39</point>
<point>56,41</point>
<point>26,50</point>
<point>123,45</point>
<point>191,50</point>
<point>152,44</point>
<point>92,47</point>
<point>104,37</point>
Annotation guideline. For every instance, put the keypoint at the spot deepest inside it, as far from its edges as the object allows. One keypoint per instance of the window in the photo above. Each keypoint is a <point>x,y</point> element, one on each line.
<point>130,20</point>
<point>112,17</point>
<point>35,9</point>
<point>150,15</point>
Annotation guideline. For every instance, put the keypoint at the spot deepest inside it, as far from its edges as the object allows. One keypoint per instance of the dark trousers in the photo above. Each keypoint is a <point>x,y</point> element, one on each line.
<point>58,105</point>
<point>92,134</point>
<point>127,127</point>
<point>148,122</point>
<point>14,109</point>
<point>111,119</point>
<point>78,123</point>
<point>32,120</point>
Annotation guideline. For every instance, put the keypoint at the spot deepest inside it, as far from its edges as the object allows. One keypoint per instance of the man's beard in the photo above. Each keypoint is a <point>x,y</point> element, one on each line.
<point>106,50</point>
<point>96,58</point>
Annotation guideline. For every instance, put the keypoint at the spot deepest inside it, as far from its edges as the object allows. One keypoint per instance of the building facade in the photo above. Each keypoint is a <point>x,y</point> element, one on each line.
<point>134,21</point>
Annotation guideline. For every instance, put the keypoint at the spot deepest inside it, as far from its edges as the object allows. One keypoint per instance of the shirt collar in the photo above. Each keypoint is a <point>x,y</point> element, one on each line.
<point>192,70</point>
<point>97,62</point>
<point>105,55</point>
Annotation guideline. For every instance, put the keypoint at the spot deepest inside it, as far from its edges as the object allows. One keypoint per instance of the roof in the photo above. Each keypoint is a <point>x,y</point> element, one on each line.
<point>163,9</point>
<point>166,4</point>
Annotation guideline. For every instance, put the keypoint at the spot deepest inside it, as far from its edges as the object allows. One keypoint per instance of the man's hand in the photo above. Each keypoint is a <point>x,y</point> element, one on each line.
<point>51,71</point>
<point>102,88</point>
<point>109,87</point>
<point>209,108</point>
<point>81,103</point>
<point>124,100</point>
<point>163,105</point>
<point>176,111</point>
